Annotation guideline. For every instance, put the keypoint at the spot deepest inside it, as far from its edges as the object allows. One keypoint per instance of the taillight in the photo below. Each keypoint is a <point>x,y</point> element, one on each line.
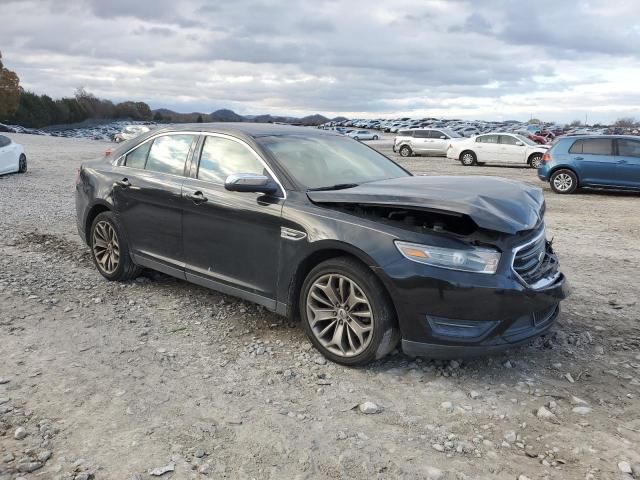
<point>546,157</point>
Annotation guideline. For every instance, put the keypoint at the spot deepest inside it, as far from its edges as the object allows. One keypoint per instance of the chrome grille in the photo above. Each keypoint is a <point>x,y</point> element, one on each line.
<point>534,259</point>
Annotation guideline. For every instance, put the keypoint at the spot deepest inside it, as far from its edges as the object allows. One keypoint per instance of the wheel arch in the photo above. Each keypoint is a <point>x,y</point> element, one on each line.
<point>327,250</point>
<point>565,167</point>
<point>95,210</point>
<point>465,150</point>
<point>533,154</point>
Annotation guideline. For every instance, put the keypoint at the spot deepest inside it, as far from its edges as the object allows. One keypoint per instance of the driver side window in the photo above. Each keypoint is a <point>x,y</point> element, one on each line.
<point>222,157</point>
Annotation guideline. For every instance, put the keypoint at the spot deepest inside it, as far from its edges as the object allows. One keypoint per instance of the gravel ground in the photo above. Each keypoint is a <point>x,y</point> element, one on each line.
<point>127,381</point>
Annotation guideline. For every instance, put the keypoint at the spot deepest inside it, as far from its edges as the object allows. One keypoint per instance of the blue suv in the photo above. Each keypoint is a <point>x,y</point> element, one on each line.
<point>600,161</point>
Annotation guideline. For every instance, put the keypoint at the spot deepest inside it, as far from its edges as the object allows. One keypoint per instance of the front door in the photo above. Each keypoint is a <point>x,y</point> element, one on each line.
<point>231,239</point>
<point>147,195</point>
<point>512,150</point>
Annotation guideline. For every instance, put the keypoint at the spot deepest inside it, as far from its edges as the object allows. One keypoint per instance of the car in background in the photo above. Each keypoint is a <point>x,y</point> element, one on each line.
<point>12,156</point>
<point>363,135</point>
<point>129,132</point>
<point>317,227</point>
<point>600,161</point>
<point>424,141</point>
<point>506,148</point>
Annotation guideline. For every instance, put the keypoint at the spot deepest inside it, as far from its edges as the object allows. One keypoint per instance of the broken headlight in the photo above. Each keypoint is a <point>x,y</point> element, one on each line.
<point>477,260</point>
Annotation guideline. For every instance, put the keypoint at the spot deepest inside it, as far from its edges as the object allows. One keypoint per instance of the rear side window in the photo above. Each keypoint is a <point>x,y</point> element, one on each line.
<point>4,141</point>
<point>487,139</point>
<point>421,134</point>
<point>629,148</point>
<point>593,146</point>
<point>405,133</point>
<point>436,134</point>
<point>138,157</point>
<point>222,157</point>
<point>168,154</point>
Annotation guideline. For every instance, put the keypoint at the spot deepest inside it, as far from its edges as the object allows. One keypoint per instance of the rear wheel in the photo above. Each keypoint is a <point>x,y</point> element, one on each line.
<point>110,249</point>
<point>564,181</point>
<point>405,151</point>
<point>375,137</point>
<point>356,138</point>
<point>468,158</point>
<point>346,312</point>
<point>22,164</point>
<point>535,160</point>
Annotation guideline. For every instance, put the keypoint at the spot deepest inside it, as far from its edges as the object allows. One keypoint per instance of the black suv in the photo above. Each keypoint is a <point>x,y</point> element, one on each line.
<point>314,225</point>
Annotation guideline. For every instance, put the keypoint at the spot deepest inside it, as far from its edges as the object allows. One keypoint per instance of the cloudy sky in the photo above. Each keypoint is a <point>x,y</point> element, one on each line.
<point>485,59</point>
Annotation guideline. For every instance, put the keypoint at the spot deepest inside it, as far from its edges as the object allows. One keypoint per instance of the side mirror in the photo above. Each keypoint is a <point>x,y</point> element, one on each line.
<point>250,182</point>
<point>443,137</point>
<point>520,144</point>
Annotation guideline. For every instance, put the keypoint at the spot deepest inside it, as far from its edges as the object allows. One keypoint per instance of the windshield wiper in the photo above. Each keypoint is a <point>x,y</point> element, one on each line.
<point>338,186</point>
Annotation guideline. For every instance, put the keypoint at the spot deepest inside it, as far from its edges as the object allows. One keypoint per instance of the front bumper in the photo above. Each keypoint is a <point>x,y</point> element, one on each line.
<point>453,314</point>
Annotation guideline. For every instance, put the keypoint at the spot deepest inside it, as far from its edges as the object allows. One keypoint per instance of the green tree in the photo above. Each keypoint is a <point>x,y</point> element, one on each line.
<point>9,92</point>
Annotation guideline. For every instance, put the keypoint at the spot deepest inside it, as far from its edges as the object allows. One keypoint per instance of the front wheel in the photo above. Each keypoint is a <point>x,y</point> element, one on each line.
<point>22,164</point>
<point>564,181</point>
<point>356,138</point>
<point>468,158</point>
<point>347,313</point>
<point>375,137</point>
<point>110,249</point>
<point>535,161</point>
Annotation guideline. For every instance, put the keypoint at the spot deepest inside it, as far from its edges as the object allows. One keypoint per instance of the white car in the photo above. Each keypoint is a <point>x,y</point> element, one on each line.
<point>507,148</point>
<point>129,132</point>
<point>363,135</point>
<point>12,156</point>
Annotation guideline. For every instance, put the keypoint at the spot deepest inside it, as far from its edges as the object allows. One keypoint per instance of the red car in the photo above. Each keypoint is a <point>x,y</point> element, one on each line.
<point>537,138</point>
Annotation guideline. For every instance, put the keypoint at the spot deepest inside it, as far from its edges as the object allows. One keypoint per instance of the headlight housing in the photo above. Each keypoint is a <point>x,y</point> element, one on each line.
<point>476,260</point>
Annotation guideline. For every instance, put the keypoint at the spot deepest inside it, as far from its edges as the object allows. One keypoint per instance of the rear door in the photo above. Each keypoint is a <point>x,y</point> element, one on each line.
<point>231,239</point>
<point>486,148</point>
<point>595,161</point>
<point>422,141</point>
<point>628,162</point>
<point>147,195</point>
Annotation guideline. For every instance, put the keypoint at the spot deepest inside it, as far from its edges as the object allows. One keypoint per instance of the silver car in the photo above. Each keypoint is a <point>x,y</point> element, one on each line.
<point>424,141</point>
<point>363,135</point>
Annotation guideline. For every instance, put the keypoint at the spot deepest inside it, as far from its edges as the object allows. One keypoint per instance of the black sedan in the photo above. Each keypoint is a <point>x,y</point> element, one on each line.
<point>320,227</point>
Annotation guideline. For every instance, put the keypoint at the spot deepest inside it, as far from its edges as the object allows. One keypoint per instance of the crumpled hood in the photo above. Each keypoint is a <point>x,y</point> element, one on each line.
<point>493,203</point>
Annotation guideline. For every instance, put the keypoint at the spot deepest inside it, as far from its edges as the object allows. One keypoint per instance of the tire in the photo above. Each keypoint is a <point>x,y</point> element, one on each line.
<point>468,158</point>
<point>405,151</point>
<point>356,138</point>
<point>121,268</point>
<point>22,164</point>
<point>351,279</point>
<point>535,160</point>
<point>563,181</point>
<point>375,137</point>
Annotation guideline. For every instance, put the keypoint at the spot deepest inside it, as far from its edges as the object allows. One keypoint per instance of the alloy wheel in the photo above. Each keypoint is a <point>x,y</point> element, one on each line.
<point>563,182</point>
<point>23,164</point>
<point>535,161</point>
<point>340,315</point>
<point>106,248</point>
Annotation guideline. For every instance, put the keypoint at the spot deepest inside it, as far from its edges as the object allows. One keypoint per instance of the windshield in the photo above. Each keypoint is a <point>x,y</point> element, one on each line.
<point>451,133</point>
<point>527,141</point>
<point>323,161</point>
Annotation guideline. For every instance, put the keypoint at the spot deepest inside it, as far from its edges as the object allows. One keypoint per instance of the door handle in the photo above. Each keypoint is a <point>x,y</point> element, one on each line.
<point>198,197</point>
<point>124,183</point>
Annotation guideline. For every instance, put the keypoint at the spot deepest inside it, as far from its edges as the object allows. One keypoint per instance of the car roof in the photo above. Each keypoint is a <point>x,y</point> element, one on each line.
<point>246,129</point>
<point>593,135</point>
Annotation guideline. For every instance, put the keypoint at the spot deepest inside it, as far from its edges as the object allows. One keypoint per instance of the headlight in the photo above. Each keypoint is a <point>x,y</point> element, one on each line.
<point>478,260</point>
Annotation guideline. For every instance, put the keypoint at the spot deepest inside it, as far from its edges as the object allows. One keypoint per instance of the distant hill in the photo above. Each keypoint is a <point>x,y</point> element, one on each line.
<point>226,115</point>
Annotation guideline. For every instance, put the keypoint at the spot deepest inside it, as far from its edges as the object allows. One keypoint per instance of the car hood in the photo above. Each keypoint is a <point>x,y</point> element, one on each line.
<point>498,204</point>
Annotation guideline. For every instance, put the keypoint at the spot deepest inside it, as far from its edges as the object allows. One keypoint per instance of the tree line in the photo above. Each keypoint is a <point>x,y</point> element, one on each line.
<point>31,110</point>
